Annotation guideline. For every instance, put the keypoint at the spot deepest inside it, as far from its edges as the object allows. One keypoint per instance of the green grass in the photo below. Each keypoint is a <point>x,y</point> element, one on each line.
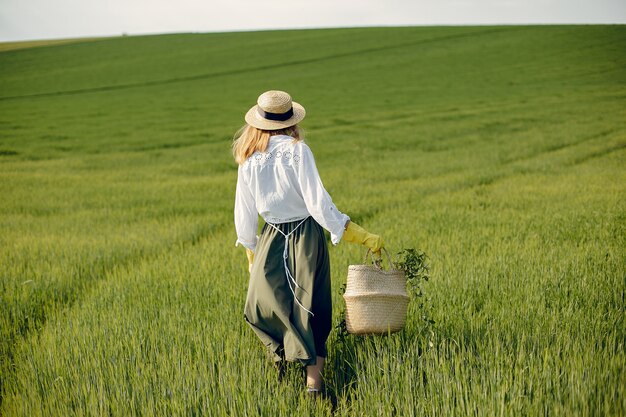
<point>497,150</point>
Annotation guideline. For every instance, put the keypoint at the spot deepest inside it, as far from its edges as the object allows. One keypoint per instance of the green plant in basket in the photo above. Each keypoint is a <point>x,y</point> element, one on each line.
<point>413,263</point>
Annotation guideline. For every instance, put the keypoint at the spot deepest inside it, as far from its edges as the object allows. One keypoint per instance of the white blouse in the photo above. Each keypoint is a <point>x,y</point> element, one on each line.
<point>283,185</point>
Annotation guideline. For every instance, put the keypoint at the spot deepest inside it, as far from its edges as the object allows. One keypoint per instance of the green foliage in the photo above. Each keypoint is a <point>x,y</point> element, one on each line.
<point>413,263</point>
<point>499,151</point>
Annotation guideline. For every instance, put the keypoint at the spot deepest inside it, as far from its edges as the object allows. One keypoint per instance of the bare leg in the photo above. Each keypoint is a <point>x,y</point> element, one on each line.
<point>314,374</point>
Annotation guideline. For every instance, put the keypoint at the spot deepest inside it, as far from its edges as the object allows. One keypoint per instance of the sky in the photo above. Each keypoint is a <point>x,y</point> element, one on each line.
<point>56,19</point>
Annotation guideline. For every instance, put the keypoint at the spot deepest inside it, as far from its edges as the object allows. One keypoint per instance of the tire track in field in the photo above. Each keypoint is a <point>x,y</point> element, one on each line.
<point>502,172</point>
<point>558,147</point>
<point>506,170</point>
<point>599,154</point>
<point>263,67</point>
<point>65,298</point>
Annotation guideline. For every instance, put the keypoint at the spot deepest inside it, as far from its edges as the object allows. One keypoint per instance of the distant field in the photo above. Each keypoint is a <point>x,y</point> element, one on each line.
<point>500,151</point>
<point>10,46</point>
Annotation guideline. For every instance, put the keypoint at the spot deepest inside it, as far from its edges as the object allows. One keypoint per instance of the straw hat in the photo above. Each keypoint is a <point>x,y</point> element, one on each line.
<point>275,110</point>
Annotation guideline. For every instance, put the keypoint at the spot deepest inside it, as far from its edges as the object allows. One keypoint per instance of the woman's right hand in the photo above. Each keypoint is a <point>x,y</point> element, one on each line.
<point>250,256</point>
<point>356,234</point>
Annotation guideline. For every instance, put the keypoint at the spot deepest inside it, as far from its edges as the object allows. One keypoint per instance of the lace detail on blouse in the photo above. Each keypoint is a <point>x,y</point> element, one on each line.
<point>277,156</point>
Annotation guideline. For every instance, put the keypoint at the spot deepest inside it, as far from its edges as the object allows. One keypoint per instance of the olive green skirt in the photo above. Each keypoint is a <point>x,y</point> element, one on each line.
<point>284,327</point>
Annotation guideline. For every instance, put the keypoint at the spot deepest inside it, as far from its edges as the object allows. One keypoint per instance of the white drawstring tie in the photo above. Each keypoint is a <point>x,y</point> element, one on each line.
<point>290,279</point>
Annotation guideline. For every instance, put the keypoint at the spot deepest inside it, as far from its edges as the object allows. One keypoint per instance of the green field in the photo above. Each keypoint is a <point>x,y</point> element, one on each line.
<point>499,151</point>
<point>10,46</point>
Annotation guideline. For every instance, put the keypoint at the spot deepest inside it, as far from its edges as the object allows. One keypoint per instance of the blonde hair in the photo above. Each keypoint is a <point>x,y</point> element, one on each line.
<point>250,139</point>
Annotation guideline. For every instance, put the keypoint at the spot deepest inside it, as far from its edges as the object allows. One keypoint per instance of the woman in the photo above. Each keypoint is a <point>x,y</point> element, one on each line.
<point>289,299</point>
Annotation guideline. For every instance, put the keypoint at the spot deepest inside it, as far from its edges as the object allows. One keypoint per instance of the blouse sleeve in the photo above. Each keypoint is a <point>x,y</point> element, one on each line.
<point>246,216</point>
<point>317,200</point>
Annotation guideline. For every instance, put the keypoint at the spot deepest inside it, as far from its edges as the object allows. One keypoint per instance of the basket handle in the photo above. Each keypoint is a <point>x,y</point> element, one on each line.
<point>371,254</point>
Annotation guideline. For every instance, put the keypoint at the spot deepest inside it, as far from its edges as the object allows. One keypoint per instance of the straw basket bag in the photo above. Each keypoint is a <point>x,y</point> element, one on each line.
<point>376,299</point>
